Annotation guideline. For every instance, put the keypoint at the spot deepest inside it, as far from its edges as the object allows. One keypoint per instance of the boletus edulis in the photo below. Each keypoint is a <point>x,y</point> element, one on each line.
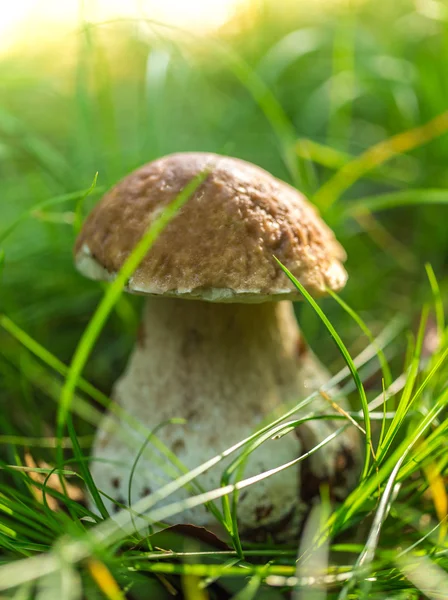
<point>219,344</point>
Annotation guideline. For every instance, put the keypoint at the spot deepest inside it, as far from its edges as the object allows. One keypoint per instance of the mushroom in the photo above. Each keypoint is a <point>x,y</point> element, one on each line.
<point>219,344</point>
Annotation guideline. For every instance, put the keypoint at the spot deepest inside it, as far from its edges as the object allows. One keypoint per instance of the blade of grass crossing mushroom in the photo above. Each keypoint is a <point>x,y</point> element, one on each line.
<point>387,375</point>
<point>112,294</point>
<point>173,486</point>
<point>384,338</point>
<point>269,429</point>
<point>238,464</point>
<point>112,531</point>
<point>348,359</point>
<point>173,421</point>
<point>48,564</point>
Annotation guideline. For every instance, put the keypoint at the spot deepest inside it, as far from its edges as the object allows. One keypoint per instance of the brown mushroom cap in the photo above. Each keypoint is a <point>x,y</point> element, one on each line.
<point>220,245</point>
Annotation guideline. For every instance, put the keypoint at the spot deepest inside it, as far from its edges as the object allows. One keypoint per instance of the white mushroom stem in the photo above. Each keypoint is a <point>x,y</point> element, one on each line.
<point>226,369</point>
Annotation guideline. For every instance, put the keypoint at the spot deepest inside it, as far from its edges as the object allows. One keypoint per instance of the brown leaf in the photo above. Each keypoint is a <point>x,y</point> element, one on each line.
<point>52,483</point>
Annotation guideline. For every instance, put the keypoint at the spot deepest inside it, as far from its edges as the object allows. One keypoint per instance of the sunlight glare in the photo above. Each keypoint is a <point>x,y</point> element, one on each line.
<point>44,19</point>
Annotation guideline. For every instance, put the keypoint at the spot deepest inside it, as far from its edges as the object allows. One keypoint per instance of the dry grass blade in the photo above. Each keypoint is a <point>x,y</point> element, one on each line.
<point>52,482</point>
<point>104,580</point>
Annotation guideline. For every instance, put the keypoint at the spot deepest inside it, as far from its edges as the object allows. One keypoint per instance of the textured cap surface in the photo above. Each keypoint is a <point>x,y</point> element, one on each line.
<point>220,245</point>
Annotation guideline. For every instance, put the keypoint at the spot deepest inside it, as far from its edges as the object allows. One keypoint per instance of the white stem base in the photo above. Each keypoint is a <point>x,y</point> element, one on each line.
<point>227,370</point>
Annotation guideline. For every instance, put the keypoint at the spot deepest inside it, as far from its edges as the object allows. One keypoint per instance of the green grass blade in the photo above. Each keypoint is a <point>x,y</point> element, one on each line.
<point>85,471</point>
<point>438,302</point>
<point>391,200</point>
<point>77,224</point>
<point>110,298</point>
<point>369,487</point>
<point>348,359</point>
<point>405,400</point>
<point>387,375</point>
<point>113,292</point>
<point>44,204</point>
<point>89,413</point>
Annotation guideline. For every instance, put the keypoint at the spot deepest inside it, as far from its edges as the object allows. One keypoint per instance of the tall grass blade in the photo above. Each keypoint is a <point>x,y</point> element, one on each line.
<point>349,361</point>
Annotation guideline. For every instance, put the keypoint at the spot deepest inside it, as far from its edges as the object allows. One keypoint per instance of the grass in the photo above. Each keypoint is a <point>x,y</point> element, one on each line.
<point>350,108</point>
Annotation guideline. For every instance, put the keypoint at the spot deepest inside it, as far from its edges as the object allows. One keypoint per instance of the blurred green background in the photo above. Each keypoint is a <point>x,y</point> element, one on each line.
<point>109,96</point>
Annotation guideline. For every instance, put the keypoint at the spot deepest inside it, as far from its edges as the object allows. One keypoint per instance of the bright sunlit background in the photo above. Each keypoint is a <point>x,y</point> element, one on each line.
<point>30,22</point>
<point>25,21</point>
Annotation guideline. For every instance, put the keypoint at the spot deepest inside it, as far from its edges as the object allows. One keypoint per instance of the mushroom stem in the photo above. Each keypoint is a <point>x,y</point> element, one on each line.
<point>225,369</point>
